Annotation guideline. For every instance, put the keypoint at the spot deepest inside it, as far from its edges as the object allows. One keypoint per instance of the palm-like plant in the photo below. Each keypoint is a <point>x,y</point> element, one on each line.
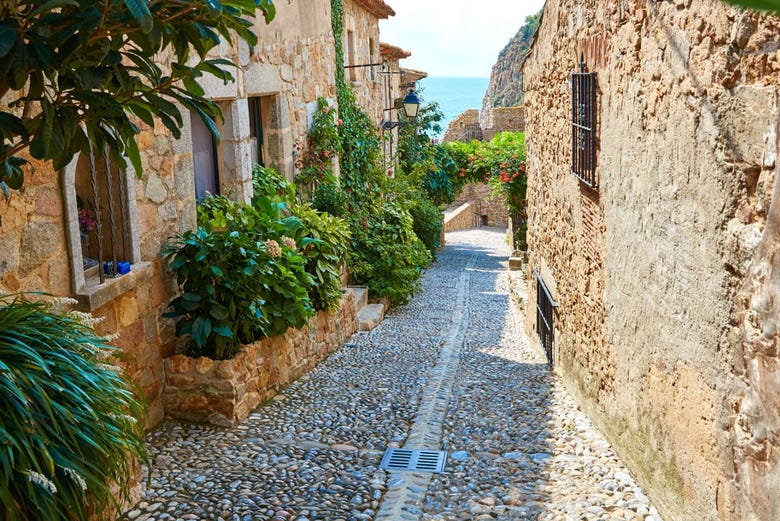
<point>69,429</point>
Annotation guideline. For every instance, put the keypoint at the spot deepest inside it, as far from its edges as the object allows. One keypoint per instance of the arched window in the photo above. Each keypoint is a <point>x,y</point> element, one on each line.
<point>102,221</point>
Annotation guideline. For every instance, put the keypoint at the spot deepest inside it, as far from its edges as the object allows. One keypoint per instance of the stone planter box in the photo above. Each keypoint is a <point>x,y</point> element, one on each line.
<point>224,392</point>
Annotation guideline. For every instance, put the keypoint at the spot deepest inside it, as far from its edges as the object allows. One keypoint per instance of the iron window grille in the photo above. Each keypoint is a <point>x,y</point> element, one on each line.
<point>544,317</point>
<point>583,121</point>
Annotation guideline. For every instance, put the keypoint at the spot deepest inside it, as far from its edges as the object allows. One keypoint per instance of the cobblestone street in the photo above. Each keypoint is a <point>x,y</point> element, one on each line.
<point>453,370</point>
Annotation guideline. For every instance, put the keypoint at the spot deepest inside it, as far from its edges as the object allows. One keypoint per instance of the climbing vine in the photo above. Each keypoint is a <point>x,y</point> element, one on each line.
<point>360,142</point>
<point>385,253</point>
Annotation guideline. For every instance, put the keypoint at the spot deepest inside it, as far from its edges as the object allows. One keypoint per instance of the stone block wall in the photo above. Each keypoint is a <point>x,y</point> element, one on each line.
<point>461,218</point>
<point>503,119</point>
<point>367,83</point>
<point>38,249</point>
<point>491,210</point>
<point>666,274</point>
<point>464,128</point>
<point>225,392</point>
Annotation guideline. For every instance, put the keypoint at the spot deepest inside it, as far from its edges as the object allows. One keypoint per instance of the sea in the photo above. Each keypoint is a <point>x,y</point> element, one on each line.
<point>454,95</point>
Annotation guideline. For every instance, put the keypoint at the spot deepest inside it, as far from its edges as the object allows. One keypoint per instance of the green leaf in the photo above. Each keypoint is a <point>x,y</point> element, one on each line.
<point>218,312</point>
<point>762,5</point>
<point>131,147</point>
<point>140,11</point>
<point>8,36</point>
<point>51,5</point>
<point>223,331</point>
<point>191,297</point>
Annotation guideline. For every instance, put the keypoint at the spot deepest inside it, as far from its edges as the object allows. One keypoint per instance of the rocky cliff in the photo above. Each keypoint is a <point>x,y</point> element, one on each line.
<point>506,81</point>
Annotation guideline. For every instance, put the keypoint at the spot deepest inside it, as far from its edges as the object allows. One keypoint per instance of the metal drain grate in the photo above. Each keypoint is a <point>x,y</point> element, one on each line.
<point>415,460</point>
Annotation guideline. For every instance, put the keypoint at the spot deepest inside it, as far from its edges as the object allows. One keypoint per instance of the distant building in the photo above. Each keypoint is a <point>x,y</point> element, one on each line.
<point>472,124</point>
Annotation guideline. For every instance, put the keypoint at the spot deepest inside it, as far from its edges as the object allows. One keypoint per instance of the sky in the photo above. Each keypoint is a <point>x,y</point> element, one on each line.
<point>454,37</point>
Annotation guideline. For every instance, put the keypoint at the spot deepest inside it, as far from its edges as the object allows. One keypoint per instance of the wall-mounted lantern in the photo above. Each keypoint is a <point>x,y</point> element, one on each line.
<point>411,106</point>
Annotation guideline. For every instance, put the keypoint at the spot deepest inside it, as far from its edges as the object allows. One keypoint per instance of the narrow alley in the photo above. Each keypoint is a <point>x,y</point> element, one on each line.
<point>452,371</point>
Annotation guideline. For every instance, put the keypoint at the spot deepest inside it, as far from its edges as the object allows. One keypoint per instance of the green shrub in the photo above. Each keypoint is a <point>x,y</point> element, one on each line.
<point>324,241</point>
<point>323,146</point>
<point>386,255</point>
<point>69,418</point>
<point>267,182</point>
<point>241,277</point>
<point>427,223</point>
<point>328,197</point>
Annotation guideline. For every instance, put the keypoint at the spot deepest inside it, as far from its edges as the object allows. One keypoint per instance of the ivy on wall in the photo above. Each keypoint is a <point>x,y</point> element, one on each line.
<point>361,145</point>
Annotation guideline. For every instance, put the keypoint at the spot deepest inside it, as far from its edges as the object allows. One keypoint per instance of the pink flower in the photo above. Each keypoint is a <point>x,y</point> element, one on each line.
<point>86,220</point>
<point>326,110</point>
<point>340,122</point>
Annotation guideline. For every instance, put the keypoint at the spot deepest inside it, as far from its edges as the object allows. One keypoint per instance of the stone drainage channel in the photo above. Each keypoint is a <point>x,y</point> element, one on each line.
<point>406,490</point>
<point>451,370</point>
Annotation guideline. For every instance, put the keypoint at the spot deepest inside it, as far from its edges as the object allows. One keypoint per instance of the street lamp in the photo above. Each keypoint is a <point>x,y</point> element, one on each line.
<point>411,105</point>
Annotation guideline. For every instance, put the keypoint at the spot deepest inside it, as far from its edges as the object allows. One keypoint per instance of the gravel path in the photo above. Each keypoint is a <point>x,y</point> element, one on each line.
<point>519,447</point>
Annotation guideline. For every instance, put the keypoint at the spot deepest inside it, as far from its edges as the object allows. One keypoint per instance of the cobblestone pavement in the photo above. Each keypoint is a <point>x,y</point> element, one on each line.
<point>453,370</point>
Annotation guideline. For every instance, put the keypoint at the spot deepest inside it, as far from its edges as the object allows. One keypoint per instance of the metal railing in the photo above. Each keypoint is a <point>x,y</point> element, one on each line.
<point>583,121</point>
<point>544,317</point>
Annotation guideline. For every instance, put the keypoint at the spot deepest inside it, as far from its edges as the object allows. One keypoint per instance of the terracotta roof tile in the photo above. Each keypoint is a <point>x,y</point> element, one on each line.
<point>376,7</point>
<point>391,52</point>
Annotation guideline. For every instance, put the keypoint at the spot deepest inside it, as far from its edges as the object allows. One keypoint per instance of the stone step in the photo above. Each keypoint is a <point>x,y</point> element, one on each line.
<point>370,316</point>
<point>361,297</point>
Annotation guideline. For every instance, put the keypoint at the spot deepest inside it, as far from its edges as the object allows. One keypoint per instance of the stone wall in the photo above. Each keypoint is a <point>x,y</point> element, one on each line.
<point>502,119</point>
<point>39,248</point>
<point>291,67</point>
<point>658,332</point>
<point>464,128</point>
<point>482,126</point>
<point>225,392</point>
<point>491,210</point>
<point>369,86</point>
<point>460,218</point>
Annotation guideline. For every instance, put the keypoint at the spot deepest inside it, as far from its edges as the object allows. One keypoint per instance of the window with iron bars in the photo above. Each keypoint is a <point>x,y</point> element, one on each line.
<point>583,121</point>
<point>544,317</point>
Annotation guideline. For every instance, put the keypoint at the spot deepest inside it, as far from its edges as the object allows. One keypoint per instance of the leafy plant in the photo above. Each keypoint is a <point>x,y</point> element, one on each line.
<point>221,303</point>
<point>324,146</point>
<point>268,183</point>
<point>762,5</point>
<point>241,276</point>
<point>386,255</point>
<point>427,223</point>
<point>70,420</point>
<point>78,73</point>
<point>324,241</point>
<point>501,163</point>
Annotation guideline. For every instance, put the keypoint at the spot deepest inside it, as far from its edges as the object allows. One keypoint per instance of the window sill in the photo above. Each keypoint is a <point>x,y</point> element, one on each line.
<point>94,296</point>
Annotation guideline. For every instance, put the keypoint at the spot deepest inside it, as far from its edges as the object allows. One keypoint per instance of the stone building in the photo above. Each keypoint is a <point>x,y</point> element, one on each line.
<point>464,128</point>
<point>501,119</point>
<point>482,126</point>
<point>654,270</point>
<point>48,238</point>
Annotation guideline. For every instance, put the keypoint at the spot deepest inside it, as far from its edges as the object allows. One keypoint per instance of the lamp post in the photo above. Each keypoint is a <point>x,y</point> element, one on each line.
<point>411,105</point>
